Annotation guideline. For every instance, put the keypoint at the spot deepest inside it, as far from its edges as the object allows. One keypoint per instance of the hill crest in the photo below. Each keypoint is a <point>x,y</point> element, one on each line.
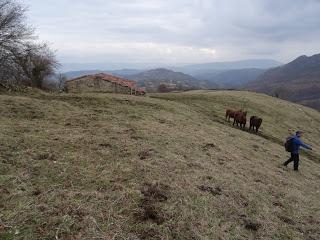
<point>154,78</point>
<point>297,81</point>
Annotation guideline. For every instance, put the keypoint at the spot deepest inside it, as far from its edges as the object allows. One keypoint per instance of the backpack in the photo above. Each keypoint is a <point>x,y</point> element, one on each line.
<point>289,144</point>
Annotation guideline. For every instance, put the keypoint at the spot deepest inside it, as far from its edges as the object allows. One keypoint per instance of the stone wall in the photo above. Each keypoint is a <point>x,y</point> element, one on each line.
<point>95,84</point>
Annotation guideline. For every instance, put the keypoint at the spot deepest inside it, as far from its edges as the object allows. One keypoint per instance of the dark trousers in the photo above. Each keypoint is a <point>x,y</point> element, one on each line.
<point>295,159</point>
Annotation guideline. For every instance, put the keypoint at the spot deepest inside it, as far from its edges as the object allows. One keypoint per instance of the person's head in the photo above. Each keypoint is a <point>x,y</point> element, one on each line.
<point>299,134</point>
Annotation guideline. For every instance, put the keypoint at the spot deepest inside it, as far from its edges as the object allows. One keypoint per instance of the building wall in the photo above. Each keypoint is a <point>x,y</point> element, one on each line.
<point>94,84</point>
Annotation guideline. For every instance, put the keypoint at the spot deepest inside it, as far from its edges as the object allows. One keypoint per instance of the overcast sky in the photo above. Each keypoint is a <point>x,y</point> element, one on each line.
<point>176,31</point>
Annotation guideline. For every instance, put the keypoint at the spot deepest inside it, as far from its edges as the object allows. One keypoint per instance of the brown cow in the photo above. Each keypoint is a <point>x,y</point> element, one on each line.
<point>240,118</point>
<point>255,122</point>
<point>231,113</point>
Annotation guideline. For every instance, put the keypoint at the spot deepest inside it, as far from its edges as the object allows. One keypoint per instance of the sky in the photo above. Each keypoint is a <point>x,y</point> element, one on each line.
<point>137,33</point>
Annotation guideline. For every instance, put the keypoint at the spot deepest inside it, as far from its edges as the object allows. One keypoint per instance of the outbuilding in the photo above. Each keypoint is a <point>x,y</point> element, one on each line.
<point>103,83</point>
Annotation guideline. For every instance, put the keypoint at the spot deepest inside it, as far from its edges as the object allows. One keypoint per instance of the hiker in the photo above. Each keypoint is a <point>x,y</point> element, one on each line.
<point>293,145</point>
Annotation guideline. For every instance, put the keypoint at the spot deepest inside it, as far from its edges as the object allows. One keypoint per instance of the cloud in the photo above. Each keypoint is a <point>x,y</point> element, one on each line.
<point>136,52</point>
<point>177,31</point>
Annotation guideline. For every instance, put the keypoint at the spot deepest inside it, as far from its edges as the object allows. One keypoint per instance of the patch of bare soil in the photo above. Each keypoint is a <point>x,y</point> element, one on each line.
<point>286,220</point>
<point>212,190</point>
<point>209,146</point>
<point>150,234</point>
<point>162,121</point>
<point>46,156</point>
<point>251,224</point>
<point>151,207</point>
<point>36,192</point>
<point>4,190</point>
<point>105,145</point>
<point>146,154</point>
<point>277,204</point>
<point>132,133</point>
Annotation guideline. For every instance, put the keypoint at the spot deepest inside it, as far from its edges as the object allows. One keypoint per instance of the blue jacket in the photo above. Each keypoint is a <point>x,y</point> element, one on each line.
<point>297,143</point>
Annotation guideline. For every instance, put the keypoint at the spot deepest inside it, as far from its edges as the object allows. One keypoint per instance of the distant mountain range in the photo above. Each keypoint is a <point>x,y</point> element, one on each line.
<point>236,78</point>
<point>169,80</point>
<point>231,74</point>
<point>297,81</point>
<point>207,75</point>
<point>218,67</point>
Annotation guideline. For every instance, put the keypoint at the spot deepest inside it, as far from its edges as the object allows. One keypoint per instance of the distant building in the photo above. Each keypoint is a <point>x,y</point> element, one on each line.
<point>103,83</point>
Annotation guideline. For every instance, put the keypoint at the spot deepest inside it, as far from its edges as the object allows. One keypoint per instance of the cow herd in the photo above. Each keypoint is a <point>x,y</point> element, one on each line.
<point>240,119</point>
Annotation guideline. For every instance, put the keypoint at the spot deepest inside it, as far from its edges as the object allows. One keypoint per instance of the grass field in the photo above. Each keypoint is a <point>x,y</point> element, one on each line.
<point>165,166</point>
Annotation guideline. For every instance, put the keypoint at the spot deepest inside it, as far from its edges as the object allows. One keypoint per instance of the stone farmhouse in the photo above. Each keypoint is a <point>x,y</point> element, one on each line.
<point>103,83</point>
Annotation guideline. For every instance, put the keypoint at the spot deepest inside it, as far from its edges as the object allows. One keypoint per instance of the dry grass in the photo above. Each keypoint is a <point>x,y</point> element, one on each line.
<point>98,166</point>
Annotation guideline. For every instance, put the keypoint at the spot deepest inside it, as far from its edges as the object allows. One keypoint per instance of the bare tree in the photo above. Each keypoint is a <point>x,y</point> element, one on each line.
<point>61,81</point>
<point>13,29</point>
<point>37,62</point>
<point>44,65</point>
<point>21,59</point>
<point>14,32</point>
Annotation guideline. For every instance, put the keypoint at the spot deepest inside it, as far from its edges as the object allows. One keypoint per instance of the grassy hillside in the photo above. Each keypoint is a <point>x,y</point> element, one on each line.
<point>167,166</point>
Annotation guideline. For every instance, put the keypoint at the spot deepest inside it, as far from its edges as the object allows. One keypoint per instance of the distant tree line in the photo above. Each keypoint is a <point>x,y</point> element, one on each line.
<point>23,60</point>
